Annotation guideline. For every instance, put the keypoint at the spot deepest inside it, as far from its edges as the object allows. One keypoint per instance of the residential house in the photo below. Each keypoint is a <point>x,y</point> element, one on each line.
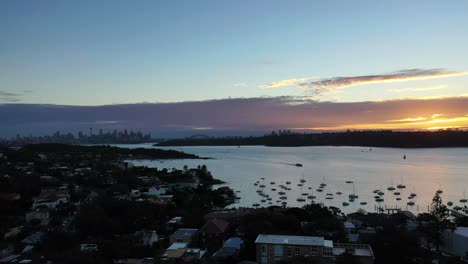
<point>175,250</point>
<point>41,214</point>
<point>230,248</point>
<point>13,232</point>
<point>214,231</point>
<point>154,191</point>
<point>193,254</point>
<point>135,261</point>
<point>88,247</point>
<point>6,250</point>
<point>455,242</point>
<point>149,238</point>
<point>349,227</point>
<point>185,235</point>
<point>274,248</point>
<point>33,239</point>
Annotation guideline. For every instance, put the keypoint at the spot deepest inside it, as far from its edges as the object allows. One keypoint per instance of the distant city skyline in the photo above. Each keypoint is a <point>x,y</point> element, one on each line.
<point>218,55</point>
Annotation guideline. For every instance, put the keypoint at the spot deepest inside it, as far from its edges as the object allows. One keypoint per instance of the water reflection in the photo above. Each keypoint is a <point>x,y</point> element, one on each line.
<point>342,171</point>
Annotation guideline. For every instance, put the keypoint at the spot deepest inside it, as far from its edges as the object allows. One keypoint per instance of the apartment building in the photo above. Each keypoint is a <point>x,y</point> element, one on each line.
<point>274,248</point>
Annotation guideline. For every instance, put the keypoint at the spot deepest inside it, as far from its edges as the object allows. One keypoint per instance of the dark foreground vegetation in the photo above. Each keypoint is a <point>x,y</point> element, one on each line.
<point>71,204</point>
<point>421,139</point>
<point>103,150</point>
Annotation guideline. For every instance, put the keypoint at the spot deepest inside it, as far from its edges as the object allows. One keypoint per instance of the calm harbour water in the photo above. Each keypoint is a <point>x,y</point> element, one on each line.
<point>424,171</point>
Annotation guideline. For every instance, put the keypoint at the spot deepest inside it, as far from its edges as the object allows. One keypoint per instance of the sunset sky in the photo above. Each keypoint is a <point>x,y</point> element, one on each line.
<point>174,66</point>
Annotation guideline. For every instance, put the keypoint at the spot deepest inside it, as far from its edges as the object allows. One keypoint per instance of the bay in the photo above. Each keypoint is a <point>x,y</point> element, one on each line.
<point>424,171</point>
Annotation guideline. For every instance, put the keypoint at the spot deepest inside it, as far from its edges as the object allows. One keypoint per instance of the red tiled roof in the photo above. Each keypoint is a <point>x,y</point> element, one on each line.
<point>215,226</point>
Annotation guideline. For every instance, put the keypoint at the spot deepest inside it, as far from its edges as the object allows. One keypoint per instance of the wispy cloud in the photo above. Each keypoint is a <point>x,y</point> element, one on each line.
<point>399,76</point>
<point>288,82</point>
<point>238,114</point>
<point>408,119</point>
<point>7,97</point>
<point>419,89</point>
<point>240,84</point>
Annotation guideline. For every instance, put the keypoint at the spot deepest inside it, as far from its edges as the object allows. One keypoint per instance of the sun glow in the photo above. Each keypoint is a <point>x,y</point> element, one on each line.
<point>408,123</point>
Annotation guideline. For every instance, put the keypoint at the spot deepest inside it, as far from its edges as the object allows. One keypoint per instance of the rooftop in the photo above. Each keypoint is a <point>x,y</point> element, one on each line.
<point>177,245</point>
<point>185,232</point>
<point>462,231</point>
<point>293,240</point>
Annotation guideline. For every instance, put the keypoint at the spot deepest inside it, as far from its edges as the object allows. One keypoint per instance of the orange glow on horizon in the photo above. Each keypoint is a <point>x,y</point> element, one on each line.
<point>419,123</point>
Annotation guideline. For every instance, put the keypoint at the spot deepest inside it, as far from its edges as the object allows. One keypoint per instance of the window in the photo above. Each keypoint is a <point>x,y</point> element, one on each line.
<point>297,251</point>
<point>278,250</point>
<point>313,252</point>
<point>263,249</point>
<point>328,251</point>
<point>289,251</point>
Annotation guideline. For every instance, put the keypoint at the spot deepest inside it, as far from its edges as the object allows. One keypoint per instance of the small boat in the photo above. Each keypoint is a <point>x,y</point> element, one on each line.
<point>439,191</point>
<point>311,197</point>
<point>269,199</point>
<point>255,184</point>
<point>391,188</point>
<point>379,200</point>
<point>376,191</point>
<point>413,194</point>
<point>262,186</point>
<point>274,190</point>
<point>396,193</point>
<point>270,202</point>
<point>288,182</point>
<point>262,201</point>
<point>281,193</point>
<point>363,203</point>
<point>305,194</point>
<point>310,188</point>
<point>330,194</point>
<point>381,193</point>
<point>345,204</point>
<point>339,193</point>
<point>298,165</point>
<point>398,198</point>
<point>272,183</point>
<point>283,197</point>
<point>349,182</point>
<point>404,157</point>
<point>457,208</point>
<point>410,197</point>
<point>329,198</point>
<point>449,203</point>
<point>401,185</point>
<point>284,203</point>
<point>353,195</point>
<point>255,205</point>
<point>410,203</point>
<point>300,185</point>
<point>464,200</point>
<point>323,185</point>
<point>376,197</point>
<point>300,199</point>
<point>262,178</point>
<point>319,190</point>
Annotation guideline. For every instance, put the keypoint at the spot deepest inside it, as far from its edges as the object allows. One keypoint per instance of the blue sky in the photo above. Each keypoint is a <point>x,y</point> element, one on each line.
<point>108,52</point>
